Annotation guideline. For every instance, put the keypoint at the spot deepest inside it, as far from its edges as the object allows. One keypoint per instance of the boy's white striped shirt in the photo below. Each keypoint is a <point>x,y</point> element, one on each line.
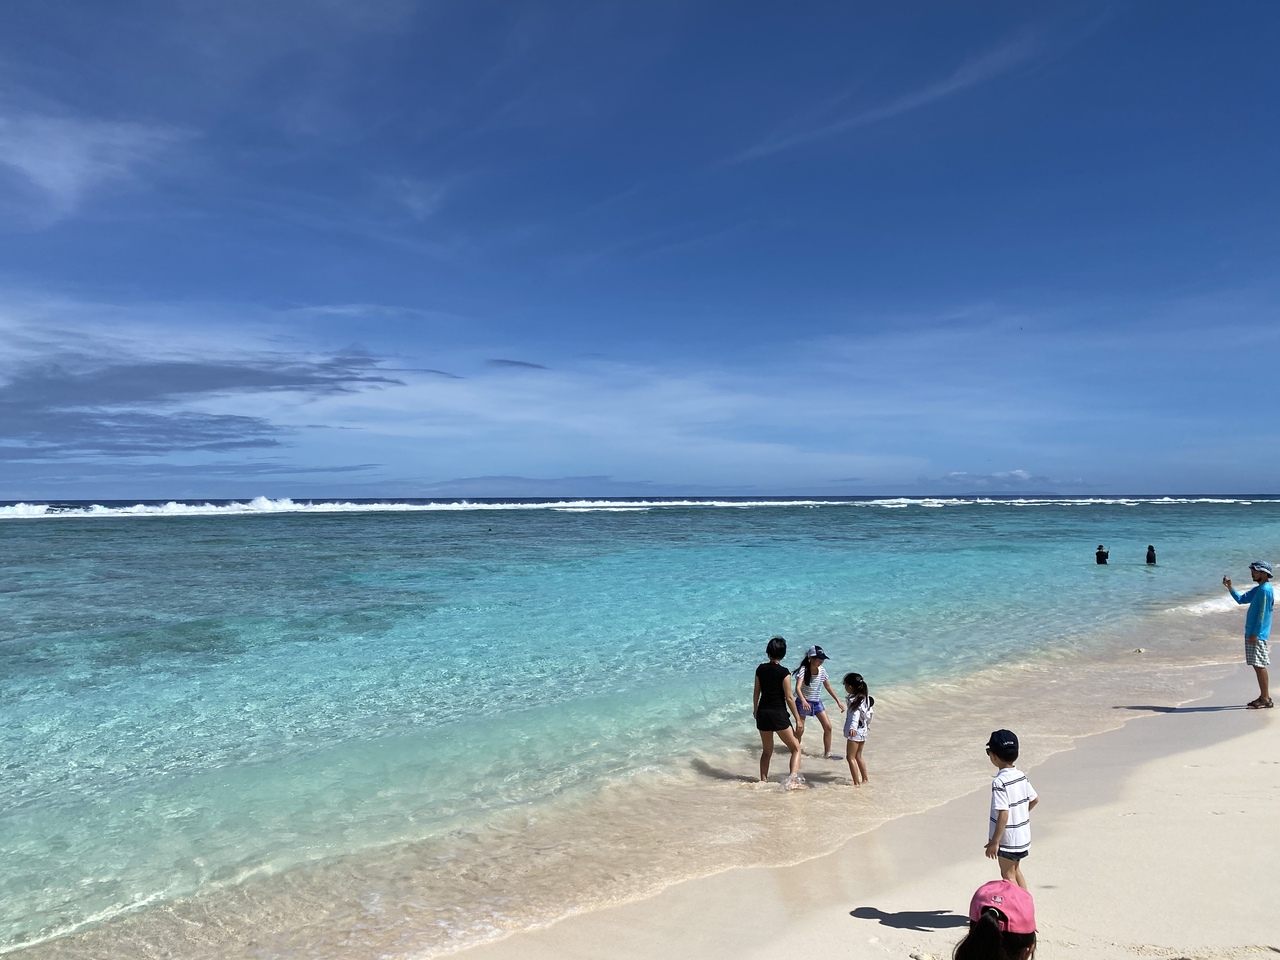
<point>1012,791</point>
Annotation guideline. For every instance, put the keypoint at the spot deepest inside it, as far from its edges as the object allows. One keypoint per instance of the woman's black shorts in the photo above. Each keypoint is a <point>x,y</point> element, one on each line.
<point>772,720</point>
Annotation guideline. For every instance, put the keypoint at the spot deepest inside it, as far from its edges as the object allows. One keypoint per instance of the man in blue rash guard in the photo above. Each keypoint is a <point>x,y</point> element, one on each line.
<point>1257,627</point>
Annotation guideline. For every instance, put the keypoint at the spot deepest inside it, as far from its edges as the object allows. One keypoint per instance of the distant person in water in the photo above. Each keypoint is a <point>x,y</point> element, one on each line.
<point>1151,555</point>
<point>770,701</point>
<point>1102,554</point>
<point>1257,627</point>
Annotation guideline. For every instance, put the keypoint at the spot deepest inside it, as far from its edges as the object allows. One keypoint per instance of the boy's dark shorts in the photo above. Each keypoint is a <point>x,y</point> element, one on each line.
<point>1010,855</point>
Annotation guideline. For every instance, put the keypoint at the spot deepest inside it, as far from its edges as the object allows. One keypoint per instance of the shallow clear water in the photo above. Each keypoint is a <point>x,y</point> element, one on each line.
<point>196,698</point>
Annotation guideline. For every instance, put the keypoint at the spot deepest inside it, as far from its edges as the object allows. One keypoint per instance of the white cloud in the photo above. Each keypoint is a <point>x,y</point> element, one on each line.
<point>623,420</point>
<point>976,392</point>
<point>60,160</point>
<point>1000,480</point>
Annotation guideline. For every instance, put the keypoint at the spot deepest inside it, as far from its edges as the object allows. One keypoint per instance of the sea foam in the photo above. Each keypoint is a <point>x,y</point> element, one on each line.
<point>265,505</point>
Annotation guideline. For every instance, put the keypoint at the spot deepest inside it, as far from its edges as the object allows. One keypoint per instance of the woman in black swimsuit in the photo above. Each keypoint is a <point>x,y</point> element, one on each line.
<point>770,702</point>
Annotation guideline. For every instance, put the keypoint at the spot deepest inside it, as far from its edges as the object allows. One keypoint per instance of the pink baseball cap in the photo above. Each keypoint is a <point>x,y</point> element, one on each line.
<point>1014,903</point>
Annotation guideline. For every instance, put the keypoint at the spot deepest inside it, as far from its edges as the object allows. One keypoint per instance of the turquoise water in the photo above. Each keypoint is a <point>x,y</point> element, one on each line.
<point>195,698</point>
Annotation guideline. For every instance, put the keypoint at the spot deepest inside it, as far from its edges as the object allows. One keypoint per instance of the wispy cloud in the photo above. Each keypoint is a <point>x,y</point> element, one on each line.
<point>421,199</point>
<point>57,161</point>
<point>519,364</point>
<point>974,391</point>
<point>625,420</point>
<point>653,244</point>
<point>969,74</point>
<point>1002,480</point>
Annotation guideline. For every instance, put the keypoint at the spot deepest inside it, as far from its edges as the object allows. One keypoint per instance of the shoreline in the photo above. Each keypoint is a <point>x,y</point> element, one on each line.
<point>1138,849</point>
<point>921,762</point>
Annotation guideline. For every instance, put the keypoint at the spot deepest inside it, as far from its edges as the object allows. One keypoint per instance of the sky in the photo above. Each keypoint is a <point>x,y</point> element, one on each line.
<point>385,248</point>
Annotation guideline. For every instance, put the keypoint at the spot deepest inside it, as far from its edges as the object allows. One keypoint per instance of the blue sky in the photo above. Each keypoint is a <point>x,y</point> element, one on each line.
<point>388,248</point>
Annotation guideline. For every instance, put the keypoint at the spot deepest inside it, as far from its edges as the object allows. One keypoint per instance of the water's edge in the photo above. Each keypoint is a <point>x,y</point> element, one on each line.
<point>922,754</point>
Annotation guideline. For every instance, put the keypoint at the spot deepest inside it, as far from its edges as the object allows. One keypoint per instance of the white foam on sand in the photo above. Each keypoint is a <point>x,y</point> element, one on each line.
<point>1207,607</point>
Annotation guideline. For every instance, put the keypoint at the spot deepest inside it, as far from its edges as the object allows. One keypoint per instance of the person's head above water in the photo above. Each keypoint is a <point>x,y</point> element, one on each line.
<point>1101,547</point>
<point>1002,924</point>
<point>777,648</point>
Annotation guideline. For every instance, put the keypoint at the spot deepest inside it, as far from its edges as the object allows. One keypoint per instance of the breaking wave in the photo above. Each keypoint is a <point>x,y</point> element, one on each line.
<point>1204,608</point>
<point>265,505</point>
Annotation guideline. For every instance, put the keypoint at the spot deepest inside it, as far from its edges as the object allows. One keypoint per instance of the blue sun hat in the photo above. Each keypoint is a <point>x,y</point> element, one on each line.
<point>1262,567</point>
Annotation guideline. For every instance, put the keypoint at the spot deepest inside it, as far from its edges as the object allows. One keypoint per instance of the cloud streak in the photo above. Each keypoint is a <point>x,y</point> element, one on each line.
<point>971,73</point>
<point>56,162</point>
<point>1001,480</point>
<point>517,364</point>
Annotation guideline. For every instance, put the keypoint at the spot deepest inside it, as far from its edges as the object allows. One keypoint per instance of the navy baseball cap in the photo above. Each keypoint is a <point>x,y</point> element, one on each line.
<point>1004,744</point>
<point>816,652</point>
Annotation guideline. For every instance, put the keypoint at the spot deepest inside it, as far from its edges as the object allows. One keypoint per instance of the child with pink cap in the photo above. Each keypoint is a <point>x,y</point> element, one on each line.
<point>1002,924</point>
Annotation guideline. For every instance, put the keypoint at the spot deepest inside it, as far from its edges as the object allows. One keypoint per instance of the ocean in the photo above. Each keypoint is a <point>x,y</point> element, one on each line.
<point>278,728</point>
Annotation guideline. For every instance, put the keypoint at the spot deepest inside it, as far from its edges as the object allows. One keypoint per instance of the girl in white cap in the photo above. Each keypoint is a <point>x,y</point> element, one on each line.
<point>811,677</point>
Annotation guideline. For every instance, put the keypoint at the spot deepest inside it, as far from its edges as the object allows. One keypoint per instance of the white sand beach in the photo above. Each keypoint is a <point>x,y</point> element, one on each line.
<point>1156,839</point>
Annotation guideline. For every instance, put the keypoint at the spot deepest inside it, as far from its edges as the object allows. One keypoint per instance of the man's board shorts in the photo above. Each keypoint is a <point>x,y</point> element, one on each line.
<point>774,720</point>
<point>1256,654</point>
<point>810,708</point>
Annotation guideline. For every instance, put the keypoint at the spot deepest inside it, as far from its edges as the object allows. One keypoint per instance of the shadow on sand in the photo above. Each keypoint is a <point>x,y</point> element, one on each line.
<point>716,773</point>
<point>1151,708</point>
<point>812,777</point>
<point>919,920</point>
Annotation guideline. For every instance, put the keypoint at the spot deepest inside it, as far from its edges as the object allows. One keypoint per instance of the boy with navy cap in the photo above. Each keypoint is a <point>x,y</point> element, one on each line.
<point>1012,799</point>
<point>1257,627</point>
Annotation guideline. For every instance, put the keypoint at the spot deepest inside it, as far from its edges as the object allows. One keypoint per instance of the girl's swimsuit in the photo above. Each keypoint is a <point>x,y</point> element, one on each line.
<point>771,711</point>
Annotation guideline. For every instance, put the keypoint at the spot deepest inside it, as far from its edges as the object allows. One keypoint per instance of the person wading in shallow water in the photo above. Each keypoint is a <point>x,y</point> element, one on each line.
<point>1151,555</point>
<point>810,677</point>
<point>1101,554</point>
<point>773,704</point>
